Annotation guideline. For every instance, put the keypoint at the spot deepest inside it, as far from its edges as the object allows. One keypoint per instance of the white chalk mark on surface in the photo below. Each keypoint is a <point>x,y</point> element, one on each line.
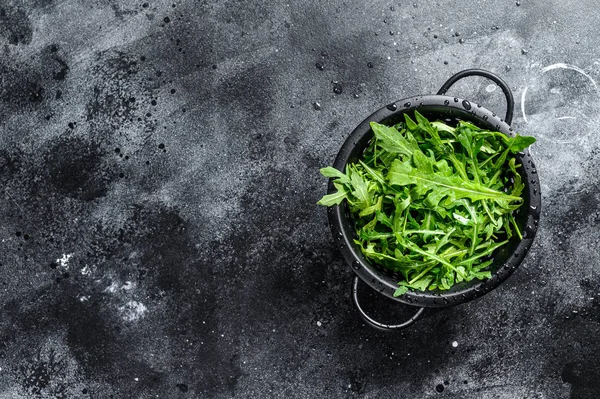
<point>584,133</point>
<point>64,260</point>
<point>523,103</point>
<point>112,287</point>
<point>132,310</point>
<point>560,65</point>
<point>552,67</point>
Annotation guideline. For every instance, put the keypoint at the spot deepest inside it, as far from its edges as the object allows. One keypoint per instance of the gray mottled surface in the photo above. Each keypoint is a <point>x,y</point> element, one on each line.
<point>159,164</point>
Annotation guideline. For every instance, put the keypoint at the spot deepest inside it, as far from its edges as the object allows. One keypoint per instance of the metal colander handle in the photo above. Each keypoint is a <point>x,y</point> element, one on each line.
<point>510,102</point>
<point>374,323</point>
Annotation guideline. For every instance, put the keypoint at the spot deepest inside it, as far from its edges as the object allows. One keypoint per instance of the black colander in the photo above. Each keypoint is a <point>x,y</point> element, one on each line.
<point>506,258</point>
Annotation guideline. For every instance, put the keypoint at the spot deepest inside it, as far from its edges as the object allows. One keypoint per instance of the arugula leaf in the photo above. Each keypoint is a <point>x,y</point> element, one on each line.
<point>330,171</point>
<point>402,173</point>
<point>401,290</point>
<point>335,198</point>
<point>392,141</point>
<point>521,142</point>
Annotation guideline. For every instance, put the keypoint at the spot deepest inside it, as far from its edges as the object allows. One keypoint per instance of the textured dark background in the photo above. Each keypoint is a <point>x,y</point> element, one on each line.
<point>159,164</point>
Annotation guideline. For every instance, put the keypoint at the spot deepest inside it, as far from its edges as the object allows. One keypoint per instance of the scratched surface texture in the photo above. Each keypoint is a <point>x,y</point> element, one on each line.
<point>159,172</point>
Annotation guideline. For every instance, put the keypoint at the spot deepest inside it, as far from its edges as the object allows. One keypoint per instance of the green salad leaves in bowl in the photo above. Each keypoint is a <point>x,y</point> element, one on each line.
<point>432,202</point>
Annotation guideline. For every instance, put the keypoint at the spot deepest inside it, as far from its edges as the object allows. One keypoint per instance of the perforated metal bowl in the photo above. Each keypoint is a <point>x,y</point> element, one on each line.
<point>506,258</point>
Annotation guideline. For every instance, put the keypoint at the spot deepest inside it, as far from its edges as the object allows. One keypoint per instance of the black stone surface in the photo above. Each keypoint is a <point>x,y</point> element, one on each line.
<point>159,164</point>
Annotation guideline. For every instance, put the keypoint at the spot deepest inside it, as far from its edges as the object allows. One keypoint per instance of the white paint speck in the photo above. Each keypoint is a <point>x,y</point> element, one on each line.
<point>64,260</point>
<point>136,379</point>
<point>86,270</point>
<point>319,324</point>
<point>132,310</point>
<point>84,298</point>
<point>565,117</point>
<point>523,103</point>
<point>112,287</point>
<point>454,344</point>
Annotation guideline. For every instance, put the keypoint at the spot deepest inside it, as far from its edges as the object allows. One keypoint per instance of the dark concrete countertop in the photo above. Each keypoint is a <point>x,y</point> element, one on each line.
<point>160,236</point>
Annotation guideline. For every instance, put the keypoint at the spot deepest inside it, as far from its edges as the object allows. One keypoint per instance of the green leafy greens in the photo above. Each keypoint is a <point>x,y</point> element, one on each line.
<point>432,202</point>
